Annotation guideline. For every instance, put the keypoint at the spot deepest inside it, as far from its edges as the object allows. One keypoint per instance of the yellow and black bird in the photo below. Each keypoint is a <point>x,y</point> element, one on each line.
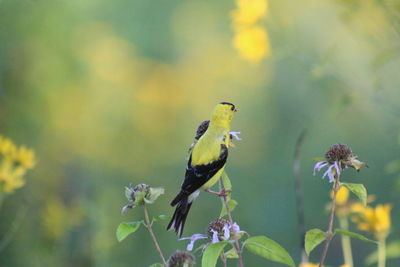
<point>207,159</point>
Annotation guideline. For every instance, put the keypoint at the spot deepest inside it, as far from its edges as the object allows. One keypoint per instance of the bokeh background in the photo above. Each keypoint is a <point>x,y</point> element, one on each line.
<point>109,93</point>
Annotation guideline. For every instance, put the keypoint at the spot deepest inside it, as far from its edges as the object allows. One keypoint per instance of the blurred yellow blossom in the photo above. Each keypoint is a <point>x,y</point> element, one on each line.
<point>14,162</point>
<point>342,202</point>
<point>342,195</point>
<point>252,43</point>
<point>6,146</point>
<point>249,11</point>
<point>24,157</point>
<point>251,39</point>
<point>377,220</point>
<point>8,181</point>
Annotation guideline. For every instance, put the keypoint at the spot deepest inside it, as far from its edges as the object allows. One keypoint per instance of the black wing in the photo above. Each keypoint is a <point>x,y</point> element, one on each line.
<point>196,176</point>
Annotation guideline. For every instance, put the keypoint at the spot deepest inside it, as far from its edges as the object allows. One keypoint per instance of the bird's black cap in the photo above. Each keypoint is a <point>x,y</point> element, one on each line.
<point>230,104</point>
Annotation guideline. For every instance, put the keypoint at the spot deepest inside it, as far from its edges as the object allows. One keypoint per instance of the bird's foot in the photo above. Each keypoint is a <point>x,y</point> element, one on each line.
<point>222,193</point>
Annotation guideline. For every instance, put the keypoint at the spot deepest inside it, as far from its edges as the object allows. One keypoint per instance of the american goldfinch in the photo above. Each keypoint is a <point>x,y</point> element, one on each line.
<point>206,163</point>
<point>203,128</point>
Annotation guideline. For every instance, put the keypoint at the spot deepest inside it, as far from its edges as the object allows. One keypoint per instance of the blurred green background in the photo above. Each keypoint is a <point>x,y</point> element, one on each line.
<point>109,93</point>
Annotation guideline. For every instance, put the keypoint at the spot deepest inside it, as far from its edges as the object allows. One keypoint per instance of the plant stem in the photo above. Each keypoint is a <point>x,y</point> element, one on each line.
<point>236,245</point>
<point>8,237</point>
<point>329,233</point>
<point>299,195</point>
<point>148,226</point>
<point>382,252</point>
<point>346,244</point>
<point>223,259</point>
<point>2,196</point>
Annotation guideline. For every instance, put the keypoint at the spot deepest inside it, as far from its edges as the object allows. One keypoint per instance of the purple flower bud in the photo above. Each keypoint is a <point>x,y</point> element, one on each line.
<point>319,165</point>
<point>227,231</point>
<point>235,135</point>
<point>215,238</point>
<point>193,239</point>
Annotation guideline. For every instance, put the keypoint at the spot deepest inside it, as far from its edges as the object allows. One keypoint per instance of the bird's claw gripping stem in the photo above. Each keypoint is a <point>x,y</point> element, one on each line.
<point>222,193</point>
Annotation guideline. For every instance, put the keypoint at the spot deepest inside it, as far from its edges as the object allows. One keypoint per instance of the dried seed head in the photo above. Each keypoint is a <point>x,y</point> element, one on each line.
<point>202,129</point>
<point>141,188</point>
<point>217,225</point>
<point>181,259</point>
<point>339,152</point>
<point>220,228</point>
<point>344,156</point>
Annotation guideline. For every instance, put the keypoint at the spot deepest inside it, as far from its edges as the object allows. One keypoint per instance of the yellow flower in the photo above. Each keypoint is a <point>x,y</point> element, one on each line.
<point>382,213</point>
<point>249,11</point>
<point>376,221</point>
<point>342,195</point>
<point>14,164</point>
<point>25,157</point>
<point>12,184</point>
<point>252,43</point>
<point>251,40</point>
<point>9,181</point>
<point>6,146</point>
<point>344,265</point>
<point>307,264</point>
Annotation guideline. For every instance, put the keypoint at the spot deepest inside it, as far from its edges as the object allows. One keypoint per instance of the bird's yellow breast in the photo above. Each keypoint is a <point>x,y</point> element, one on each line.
<point>213,180</point>
<point>208,148</point>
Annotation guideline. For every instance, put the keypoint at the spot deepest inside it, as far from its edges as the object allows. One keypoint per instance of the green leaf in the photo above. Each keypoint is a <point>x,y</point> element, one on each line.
<point>392,252</point>
<point>161,218</point>
<point>226,181</point>
<point>211,254</point>
<point>231,204</point>
<point>156,265</point>
<point>359,190</point>
<point>231,254</point>
<point>268,249</point>
<point>354,235</point>
<point>153,194</point>
<point>313,238</point>
<point>126,228</point>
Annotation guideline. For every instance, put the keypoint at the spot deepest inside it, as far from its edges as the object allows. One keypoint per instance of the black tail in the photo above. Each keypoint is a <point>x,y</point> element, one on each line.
<point>179,197</point>
<point>179,218</point>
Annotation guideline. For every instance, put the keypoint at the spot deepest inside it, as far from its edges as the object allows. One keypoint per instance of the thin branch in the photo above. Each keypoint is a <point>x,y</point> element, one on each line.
<point>223,259</point>
<point>236,245</point>
<point>299,194</point>
<point>329,233</point>
<point>148,226</point>
<point>2,196</point>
